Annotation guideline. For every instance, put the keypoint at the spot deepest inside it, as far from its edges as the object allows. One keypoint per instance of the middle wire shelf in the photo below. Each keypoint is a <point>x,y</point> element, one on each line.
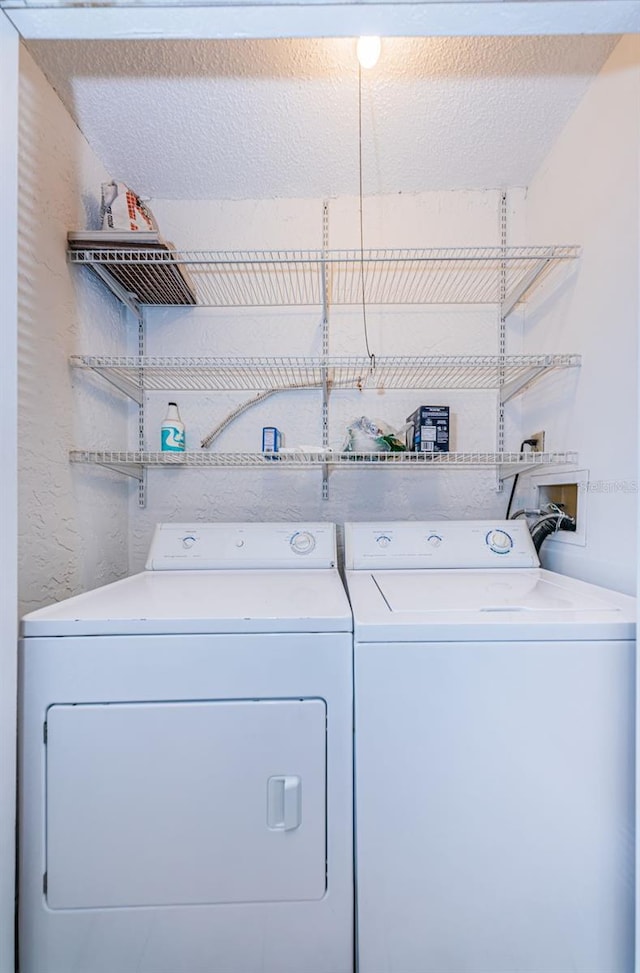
<point>508,374</point>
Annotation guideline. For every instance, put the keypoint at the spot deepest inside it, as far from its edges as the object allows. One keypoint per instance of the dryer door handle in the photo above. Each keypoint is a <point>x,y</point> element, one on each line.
<point>284,803</point>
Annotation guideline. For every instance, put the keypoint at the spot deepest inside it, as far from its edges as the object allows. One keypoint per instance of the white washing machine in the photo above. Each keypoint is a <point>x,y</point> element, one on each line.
<point>186,762</point>
<point>494,722</point>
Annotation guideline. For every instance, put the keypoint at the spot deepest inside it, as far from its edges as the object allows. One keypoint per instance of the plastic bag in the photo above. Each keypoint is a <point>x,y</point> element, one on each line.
<point>366,436</point>
<point>122,209</point>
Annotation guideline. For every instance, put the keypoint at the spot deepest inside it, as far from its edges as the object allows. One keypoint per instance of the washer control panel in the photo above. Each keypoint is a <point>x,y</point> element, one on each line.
<point>440,544</point>
<point>179,547</point>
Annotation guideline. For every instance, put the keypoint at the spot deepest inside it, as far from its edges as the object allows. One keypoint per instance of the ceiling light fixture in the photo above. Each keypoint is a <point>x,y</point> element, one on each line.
<point>368,51</point>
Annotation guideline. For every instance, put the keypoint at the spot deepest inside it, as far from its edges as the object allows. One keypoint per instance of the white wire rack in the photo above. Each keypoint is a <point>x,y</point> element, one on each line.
<point>511,374</point>
<point>269,278</point>
<point>134,463</point>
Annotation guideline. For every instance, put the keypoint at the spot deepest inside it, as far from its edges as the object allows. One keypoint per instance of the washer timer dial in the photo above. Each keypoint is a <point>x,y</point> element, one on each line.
<point>302,542</point>
<point>499,541</point>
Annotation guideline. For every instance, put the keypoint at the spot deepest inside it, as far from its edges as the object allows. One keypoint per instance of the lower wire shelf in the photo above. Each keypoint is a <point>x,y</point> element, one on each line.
<point>135,463</point>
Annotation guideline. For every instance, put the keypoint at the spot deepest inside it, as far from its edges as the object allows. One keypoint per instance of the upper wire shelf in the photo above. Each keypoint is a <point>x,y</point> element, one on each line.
<point>510,374</point>
<point>270,278</point>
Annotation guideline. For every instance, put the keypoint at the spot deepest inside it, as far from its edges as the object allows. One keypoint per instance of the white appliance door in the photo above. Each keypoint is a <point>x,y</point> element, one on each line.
<point>187,802</point>
<point>494,797</point>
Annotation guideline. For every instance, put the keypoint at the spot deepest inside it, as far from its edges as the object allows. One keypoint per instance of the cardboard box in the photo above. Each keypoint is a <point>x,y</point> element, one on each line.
<point>428,430</point>
<point>271,439</point>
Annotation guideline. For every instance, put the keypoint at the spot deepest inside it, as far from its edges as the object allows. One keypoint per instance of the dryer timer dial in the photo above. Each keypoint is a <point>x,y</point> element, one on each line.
<point>302,542</point>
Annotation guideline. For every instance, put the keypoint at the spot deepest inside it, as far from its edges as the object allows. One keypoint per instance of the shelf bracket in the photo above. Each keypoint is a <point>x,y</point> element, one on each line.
<point>135,470</point>
<point>511,389</point>
<point>134,391</point>
<point>509,300</point>
<point>116,289</point>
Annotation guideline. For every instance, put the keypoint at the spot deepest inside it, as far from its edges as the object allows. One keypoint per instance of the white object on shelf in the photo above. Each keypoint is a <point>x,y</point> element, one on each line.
<point>172,438</point>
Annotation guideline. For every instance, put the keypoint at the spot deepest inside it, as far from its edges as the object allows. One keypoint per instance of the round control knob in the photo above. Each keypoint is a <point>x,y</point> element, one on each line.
<point>434,540</point>
<point>499,541</point>
<point>188,541</point>
<point>303,542</point>
<point>383,540</point>
<point>239,542</point>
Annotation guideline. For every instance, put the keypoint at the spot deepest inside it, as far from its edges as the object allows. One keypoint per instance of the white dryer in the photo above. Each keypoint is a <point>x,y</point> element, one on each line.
<point>186,762</point>
<point>494,726</point>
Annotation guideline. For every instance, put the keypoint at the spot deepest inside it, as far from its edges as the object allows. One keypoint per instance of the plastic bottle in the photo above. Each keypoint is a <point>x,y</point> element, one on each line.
<point>172,431</point>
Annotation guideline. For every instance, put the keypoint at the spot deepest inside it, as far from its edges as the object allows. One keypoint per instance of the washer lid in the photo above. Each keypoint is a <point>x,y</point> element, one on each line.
<point>469,605</point>
<point>192,602</point>
<point>418,592</point>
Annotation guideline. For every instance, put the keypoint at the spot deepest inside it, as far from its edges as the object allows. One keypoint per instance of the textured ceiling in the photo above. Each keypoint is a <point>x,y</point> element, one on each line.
<point>248,119</point>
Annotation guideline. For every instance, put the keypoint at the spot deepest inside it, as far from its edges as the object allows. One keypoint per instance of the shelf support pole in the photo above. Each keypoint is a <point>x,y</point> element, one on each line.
<point>142,482</point>
<point>325,345</point>
<point>502,334</point>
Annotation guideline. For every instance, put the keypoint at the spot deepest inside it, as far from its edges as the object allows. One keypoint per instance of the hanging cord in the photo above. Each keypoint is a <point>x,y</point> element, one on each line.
<point>372,357</point>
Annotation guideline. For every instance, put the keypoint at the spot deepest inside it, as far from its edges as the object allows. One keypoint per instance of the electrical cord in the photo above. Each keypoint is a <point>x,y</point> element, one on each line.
<point>525,442</point>
<point>372,357</point>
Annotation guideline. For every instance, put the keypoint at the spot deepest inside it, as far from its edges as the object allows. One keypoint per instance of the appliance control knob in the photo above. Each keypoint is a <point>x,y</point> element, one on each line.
<point>434,540</point>
<point>499,541</point>
<point>303,542</point>
<point>239,542</point>
<point>383,540</point>
<point>188,541</point>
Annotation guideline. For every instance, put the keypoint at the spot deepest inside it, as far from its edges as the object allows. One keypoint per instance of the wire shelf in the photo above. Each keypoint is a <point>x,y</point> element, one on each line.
<point>270,278</point>
<point>509,373</point>
<point>134,463</point>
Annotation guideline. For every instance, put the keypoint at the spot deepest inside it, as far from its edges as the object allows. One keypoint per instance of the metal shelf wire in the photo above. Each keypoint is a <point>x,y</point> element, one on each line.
<point>134,463</point>
<point>508,373</point>
<point>270,278</point>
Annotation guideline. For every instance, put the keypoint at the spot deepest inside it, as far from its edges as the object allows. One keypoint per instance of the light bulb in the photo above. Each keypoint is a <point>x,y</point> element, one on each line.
<point>368,51</point>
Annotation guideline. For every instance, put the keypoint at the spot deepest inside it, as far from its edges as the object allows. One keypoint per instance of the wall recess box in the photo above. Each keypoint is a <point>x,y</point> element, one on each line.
<point>569,491</point>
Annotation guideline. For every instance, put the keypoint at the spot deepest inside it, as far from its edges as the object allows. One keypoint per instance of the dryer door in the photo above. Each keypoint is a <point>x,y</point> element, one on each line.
<point>187,802</point>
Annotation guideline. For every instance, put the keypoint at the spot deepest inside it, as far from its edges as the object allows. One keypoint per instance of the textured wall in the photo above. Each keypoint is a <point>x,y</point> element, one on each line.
<point>587,192</point>
<point>72,522</point>
<point>430,219</point>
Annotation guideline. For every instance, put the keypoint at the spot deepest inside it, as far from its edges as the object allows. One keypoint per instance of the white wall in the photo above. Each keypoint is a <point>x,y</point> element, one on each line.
<point>587,193</point>
<point>8,483</point>
<point>72,523</point>
<point>430,219</point>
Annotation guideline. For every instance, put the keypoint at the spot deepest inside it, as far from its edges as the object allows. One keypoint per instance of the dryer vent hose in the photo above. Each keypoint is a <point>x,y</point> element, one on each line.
<point>548,525</point>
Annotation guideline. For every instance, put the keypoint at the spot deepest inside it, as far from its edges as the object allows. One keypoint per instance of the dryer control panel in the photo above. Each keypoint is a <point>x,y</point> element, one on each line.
<point>193,546</point>
<point>440,544</point>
